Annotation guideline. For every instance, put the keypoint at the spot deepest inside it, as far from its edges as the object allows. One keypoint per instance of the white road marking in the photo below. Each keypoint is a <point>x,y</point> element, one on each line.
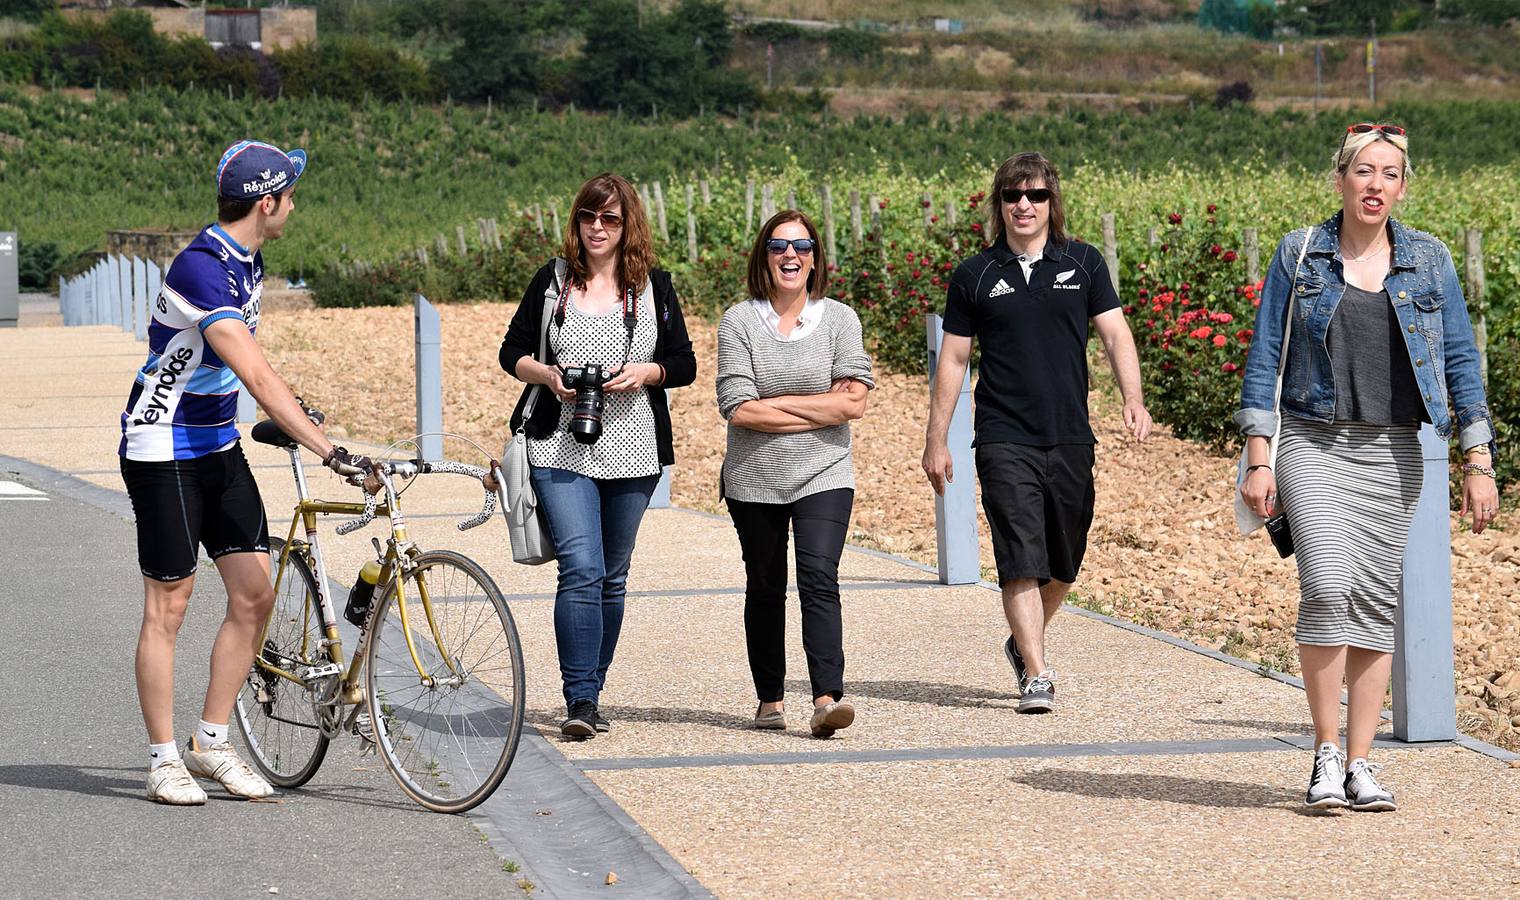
<point>10,490</point>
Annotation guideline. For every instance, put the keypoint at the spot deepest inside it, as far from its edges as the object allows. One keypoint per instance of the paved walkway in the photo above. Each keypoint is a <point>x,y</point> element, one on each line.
<point>1165,770</point>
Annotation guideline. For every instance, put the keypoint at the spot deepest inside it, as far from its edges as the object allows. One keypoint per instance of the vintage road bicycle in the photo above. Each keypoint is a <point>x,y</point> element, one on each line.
<point>435,683</point>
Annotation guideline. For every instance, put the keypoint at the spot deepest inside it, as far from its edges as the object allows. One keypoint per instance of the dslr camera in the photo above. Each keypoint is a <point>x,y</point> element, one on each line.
<point>586,416</point>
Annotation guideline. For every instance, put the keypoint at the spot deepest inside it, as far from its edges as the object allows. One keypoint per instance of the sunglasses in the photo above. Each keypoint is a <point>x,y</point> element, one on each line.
<point>1035,195</point>
<point>609,220</point>
<point>803,246</point>
<point>1368,128</point>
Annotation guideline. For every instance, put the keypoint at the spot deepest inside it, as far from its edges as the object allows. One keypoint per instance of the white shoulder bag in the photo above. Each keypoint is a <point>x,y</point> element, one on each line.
<point>1246,518</point>
<point>529,533</point>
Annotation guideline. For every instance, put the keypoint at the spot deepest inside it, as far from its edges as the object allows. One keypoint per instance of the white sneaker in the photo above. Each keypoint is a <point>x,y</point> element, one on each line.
<point>1327,788</point>
<point>222,764</point>
<point>171,783</point>
<point>1363,791</point>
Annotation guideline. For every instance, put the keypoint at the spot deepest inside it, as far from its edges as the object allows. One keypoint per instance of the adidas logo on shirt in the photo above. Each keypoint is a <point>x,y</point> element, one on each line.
<point>1001,288</point>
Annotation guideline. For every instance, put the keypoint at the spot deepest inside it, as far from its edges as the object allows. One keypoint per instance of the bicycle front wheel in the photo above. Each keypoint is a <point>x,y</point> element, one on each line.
<point>274,714</point>
<point>446,721</point>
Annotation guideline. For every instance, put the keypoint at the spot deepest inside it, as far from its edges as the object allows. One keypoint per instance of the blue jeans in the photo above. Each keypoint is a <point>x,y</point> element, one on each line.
<point>593,523</point>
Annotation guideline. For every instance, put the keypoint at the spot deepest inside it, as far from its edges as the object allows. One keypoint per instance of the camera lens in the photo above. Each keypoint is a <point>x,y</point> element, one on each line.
<point>586,416</point>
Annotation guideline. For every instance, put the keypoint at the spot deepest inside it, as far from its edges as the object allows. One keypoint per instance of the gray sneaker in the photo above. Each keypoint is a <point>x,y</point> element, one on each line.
<point>1363,791</point>
<point>1327,780</point>
<point>1015,659</point>
<point>1039,694</point>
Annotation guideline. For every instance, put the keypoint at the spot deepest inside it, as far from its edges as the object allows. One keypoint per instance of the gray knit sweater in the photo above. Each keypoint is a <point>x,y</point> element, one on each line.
<point>752,364</point>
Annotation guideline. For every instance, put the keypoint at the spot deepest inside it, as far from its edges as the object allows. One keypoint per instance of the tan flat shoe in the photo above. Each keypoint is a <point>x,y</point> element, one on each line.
<point>775,720</point>
<point>831,717</point>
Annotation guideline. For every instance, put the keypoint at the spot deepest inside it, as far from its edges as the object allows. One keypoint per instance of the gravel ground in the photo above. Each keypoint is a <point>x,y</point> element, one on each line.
<point>1164,551</point>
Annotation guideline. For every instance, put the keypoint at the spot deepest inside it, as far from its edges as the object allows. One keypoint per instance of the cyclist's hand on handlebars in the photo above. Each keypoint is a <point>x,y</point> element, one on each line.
<point>348,464</point>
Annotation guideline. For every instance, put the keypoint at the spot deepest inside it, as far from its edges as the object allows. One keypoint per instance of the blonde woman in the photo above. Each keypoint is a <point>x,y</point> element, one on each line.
<point>1380,342</point>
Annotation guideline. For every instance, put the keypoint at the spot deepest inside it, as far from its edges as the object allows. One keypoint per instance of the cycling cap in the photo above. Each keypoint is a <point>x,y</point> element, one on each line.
<point>251,169</point>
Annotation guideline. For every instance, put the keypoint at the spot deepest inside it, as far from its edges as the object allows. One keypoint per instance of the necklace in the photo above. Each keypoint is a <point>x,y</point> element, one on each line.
<point>1375,247</point>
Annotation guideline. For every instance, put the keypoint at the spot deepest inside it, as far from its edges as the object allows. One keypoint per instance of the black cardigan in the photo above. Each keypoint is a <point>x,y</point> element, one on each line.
<point>672,349</point>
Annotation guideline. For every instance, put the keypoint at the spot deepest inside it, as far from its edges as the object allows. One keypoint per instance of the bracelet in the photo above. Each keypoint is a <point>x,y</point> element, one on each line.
<point>662,374</point>
<point>1250,469</point>
<point>1477,469</point>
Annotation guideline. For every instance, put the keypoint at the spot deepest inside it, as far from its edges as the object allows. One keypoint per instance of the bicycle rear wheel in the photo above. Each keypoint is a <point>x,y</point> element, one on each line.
<point>447,734</point>
<point>275,714</point>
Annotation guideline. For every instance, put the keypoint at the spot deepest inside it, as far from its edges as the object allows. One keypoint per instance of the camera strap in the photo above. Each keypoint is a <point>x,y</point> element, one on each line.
<point>630,315</point>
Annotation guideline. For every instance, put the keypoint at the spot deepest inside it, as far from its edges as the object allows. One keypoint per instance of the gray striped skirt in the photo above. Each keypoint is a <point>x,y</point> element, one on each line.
<point>1350,490</point>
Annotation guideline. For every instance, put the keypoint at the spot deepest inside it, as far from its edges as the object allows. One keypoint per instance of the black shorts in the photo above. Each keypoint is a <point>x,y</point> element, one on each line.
<point>1039,503</point>
<point>211,500</point>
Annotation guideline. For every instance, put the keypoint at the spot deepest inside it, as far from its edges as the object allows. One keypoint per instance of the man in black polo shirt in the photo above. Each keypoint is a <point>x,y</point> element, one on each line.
<point>1028,298</point>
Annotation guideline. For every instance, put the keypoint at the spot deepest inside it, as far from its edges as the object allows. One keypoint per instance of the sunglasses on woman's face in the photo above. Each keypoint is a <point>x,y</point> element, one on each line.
<point>1035,195</point>
<point>1368,128</point>
<point>803,246</point>
<point>609,220</point>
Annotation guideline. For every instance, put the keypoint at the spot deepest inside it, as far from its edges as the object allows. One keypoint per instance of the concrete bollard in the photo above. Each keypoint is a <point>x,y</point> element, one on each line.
<point>955,512</point>
<point>429,340</point>
<point>1424,692</point>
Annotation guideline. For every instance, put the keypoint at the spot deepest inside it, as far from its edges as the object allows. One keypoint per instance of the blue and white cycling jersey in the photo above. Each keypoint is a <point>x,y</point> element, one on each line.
<point>184,403</point>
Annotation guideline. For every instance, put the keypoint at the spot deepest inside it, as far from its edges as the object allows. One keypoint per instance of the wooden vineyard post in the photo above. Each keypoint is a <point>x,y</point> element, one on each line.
<point>1477,302</point>
<point>749,205</point>
<point>855,225</point>
<point>1111,250</point>
<point>829,244</point>
<point>1250,243</point>
<point>659,207</point>
<point>691,226</point>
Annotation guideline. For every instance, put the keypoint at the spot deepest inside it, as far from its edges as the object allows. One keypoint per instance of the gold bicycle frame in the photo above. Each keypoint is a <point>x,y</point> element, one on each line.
<point>393,569</point>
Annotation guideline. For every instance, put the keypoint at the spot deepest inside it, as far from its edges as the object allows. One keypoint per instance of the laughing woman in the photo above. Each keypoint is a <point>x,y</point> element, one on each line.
<point>792,374</point>
<point>1380,342</point>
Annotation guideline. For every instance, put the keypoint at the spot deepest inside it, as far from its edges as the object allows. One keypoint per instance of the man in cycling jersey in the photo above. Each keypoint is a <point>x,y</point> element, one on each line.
<point>185,470</point>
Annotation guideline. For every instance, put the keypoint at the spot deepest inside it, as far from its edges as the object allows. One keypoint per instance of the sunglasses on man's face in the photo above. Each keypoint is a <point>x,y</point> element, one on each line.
<point>1035,195</point>
<point>1368,128</point>
<point>803,246</point>
<point>609,220</point>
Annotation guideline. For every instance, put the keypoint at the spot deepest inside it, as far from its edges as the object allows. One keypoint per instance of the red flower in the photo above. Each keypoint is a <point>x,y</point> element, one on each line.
<point>1165,247</point>
<point>1185,287</point>
<point>1222,318</point>
<point>977,227</point>
<point>917,272</point>
<point>883,203</point>
<point>1228,367</point>
<point>1244,335</point>
<point>908,257</point>
<point>934,218</point>
<point>1201,332</point>
<point>1220,340</point>
<point>1215,249</point>
<point>1129,310</point>
<point>925,203</point>
<point>1229,256</point>
<point>1175,218</point>
<point>1212,209</point>
<point>1144,293</point>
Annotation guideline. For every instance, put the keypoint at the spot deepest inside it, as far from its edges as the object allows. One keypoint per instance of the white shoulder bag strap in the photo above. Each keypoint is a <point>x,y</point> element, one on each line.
<point>1282,356</point>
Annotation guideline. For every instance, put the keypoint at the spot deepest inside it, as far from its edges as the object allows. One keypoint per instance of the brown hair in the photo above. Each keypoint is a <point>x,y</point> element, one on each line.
<point>758,277</point>
<point>1021,169</point>
<point>229,210</point>
<point>636,258</point>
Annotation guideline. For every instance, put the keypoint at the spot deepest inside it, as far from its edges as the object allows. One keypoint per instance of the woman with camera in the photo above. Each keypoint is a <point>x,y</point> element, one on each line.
<point>1378,341</point>
<point>599,431</point>
<point>792,374</point>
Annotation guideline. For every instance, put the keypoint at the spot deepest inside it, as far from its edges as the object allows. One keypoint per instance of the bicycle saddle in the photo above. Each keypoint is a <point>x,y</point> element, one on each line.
<point>267,432</point>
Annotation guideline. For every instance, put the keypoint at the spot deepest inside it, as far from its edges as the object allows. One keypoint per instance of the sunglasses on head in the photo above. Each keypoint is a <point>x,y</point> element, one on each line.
<point>610,220</point>
<point>1035,195</point>
<point>803,246</point>
<point>1368,128</point>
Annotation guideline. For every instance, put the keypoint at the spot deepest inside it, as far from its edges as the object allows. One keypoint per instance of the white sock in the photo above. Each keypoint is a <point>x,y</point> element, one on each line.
<point>1351,767</point>
<point>1330,745</point>
<point>208,735</point>
<point>162,753</point>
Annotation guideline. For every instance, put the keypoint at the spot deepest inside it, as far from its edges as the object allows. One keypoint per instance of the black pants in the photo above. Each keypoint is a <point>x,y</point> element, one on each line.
<point>819,522</point>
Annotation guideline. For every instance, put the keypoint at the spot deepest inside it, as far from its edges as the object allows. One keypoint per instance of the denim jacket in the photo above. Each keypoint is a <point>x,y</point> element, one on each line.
<point>1432,315</point>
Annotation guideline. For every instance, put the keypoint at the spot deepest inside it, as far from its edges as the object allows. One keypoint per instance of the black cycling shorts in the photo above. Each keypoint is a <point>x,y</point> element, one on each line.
<point>210,500</point>
<point>1039,504</point>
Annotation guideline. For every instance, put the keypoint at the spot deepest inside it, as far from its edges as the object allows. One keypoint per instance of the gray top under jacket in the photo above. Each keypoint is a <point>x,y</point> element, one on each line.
<point>752,364</point>
<point>1374,382</point>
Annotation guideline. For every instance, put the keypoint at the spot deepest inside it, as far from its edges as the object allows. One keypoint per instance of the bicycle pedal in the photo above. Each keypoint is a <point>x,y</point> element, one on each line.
<point>313,673</point>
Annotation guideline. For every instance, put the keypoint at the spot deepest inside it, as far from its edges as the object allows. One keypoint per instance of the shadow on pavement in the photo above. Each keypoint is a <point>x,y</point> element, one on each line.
<point>929,692</point>
<point>1169,788</point>
<point>87,780</point>
<point>1259,725</point>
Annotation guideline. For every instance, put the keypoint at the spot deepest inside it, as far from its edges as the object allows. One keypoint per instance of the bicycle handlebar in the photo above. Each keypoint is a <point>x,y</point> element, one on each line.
<point>411,468</point>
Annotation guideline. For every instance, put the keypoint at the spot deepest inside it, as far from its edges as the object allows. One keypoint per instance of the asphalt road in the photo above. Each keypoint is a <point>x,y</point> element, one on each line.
<point>73,818</point>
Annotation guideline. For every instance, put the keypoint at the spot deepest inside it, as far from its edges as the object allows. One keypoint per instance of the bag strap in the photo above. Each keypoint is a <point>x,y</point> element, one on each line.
<point>561,286</point>
<point>1282,356</point>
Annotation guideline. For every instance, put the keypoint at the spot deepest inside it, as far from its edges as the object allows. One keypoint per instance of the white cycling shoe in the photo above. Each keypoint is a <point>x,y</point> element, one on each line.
<point>222,764</point>
<point>171,783</point>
